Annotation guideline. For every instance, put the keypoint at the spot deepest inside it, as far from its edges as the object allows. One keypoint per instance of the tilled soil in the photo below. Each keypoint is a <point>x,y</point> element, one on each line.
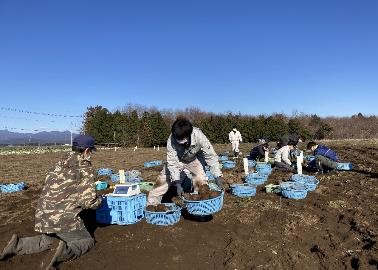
<point>334,227</point>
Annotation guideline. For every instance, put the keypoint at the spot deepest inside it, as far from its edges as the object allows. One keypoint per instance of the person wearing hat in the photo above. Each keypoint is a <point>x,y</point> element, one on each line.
<point>235,137</point>
<point>187,151</point>
<point>69,188</point>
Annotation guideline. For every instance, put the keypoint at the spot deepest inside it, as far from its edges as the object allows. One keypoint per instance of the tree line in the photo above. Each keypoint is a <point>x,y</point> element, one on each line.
<point>137,125</point>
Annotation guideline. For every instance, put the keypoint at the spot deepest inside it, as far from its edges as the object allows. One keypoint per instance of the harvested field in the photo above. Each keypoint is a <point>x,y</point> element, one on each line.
<point>335,227</point>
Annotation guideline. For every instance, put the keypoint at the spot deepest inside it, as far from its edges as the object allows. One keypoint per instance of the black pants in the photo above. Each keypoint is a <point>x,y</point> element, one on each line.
<point>283,166</point>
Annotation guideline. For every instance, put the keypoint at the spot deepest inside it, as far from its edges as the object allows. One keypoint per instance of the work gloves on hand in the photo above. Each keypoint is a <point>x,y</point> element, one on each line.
<point>180,190</point>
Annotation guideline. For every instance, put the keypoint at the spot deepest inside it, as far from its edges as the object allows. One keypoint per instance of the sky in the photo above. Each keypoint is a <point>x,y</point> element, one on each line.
<point>249,57</point>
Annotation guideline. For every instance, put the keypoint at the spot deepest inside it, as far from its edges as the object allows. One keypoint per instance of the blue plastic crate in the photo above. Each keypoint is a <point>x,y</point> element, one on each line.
<point>169,217</point>
<point>121,210</point>
<point>229,164</point>
<point>256,178</point>
<point>15,187</point>
<point>309,181</point>
<point>293,190</point>
<point>119,217</point>
<point>153,163</point>
<point>104,171</point>
<point>243,190</point>
<point>127,203</point>
<point>205,207</point>
<point>346,166</point>
<point>101,186</point>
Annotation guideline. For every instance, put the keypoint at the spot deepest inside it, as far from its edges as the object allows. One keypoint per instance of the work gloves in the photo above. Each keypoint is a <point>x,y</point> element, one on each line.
<point>180,190</point>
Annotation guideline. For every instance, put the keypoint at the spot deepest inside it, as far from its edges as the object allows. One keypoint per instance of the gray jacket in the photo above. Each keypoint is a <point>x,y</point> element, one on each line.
<point>200,147</point>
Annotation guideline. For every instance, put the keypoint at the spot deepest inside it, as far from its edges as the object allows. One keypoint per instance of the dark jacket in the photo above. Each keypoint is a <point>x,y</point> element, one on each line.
<point>292,138</point>
<point>257,152</point>
<point>325,151</point>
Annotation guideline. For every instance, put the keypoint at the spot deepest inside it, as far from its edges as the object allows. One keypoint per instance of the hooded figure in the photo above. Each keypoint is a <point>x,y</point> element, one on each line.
<point>235,137</point>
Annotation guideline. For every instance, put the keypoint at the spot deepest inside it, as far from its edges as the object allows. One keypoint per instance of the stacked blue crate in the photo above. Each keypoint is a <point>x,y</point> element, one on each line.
<point>121,210</point>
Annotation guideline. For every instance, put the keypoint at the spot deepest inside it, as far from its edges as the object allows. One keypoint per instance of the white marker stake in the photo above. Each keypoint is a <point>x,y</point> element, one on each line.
<point>245,163</point>
<point>122,178</point>
<point>158,148</point>
<point>299,163</point>
<point>266,159</point>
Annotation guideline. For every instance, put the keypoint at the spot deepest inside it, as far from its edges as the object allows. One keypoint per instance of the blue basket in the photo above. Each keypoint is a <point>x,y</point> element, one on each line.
<point>263,165</point>
<point>229,164</point>
<point>121,210</point>
<point>243,190</point>
<point>346,166</point>
<point>205,207</point>
<point>101,186</point>
<point>169,217</point>
<point>222,158</point>
<point>256,178</point>
<point>115,178</point>
<point>128,178</point>
<point>293,190</point>
<point>134,180</point>
<point>153,163</point>
<point>251,163</point>
<point>264,168</point>
<point>9,188</point>
<point>309,181</point>
<point>104,171</point>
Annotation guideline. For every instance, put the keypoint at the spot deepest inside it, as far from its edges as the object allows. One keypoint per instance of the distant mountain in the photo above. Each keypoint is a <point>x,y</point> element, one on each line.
<point>44,137</point>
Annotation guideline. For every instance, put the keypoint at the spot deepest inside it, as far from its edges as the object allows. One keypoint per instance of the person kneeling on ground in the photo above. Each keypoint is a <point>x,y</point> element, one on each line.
<point>282,158</point>
<point>325,158</point>
<point>69,188</point>
<point>258,152</point>
<point>186,146</point>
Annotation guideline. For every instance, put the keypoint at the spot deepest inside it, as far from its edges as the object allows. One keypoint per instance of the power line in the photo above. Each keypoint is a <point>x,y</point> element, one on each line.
<point>9,109</point>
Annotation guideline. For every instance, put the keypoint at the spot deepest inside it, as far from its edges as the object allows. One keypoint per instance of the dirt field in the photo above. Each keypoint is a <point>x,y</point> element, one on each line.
<point>335,227</point>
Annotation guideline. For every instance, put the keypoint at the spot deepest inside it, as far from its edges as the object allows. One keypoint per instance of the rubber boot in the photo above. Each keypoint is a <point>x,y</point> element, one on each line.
<point>10,248</point>
<point>55,259</point>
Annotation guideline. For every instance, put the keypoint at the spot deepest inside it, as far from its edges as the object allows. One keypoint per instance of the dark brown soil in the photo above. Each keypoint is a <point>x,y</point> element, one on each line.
<point>335,227</point>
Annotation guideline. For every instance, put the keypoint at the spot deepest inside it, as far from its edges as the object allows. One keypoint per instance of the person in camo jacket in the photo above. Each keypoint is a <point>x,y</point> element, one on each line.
<point>69,188</point>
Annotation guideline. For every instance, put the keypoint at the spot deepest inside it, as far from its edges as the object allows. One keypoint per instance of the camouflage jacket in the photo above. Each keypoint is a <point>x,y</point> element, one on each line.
<point>200,147</point>
<point>69,188</point>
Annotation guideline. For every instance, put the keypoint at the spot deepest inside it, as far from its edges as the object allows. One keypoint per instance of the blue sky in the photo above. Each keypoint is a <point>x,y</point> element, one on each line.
<point>252,57</point>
